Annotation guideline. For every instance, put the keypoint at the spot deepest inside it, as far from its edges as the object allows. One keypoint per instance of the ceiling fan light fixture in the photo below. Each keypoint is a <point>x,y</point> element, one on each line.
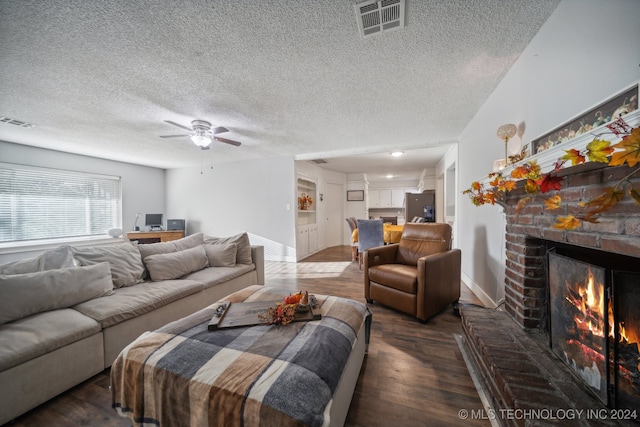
<point>201,140</point>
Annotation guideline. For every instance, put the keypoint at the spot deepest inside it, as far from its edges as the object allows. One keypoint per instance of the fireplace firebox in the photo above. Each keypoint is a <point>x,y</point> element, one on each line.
<point>594,323</point>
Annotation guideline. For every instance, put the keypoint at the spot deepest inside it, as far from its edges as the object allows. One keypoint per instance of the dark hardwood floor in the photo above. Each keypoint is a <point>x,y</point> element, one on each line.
<point>413,375</point>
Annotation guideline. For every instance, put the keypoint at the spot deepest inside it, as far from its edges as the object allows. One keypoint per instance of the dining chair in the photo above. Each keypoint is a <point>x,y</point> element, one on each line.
<point>353,225</point>
<point>370,235</point>
<point>390,219</point>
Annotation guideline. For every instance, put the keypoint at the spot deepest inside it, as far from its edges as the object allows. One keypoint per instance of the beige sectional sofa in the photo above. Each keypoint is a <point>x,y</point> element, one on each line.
<point>66,315</point>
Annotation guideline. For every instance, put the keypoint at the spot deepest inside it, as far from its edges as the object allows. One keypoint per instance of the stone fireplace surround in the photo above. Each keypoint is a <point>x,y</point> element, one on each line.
<point>509,349</point>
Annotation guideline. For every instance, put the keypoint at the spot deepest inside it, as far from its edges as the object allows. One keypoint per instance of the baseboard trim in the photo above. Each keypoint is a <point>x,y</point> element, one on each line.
<point>479,292</point>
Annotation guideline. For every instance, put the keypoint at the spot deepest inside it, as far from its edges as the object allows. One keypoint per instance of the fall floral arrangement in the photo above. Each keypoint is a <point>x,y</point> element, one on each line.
<point>284,312</point>
<point>599,150</point>
<point>304,201</point>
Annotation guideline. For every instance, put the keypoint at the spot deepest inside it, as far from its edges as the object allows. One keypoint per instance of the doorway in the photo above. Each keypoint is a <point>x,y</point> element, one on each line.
<point>334,212</point>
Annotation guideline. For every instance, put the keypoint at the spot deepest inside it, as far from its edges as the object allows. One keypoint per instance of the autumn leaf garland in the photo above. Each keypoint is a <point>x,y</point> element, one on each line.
<point>599,150</point>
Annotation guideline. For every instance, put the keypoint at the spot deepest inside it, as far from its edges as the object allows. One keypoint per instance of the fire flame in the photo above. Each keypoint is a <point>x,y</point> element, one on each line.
<point>591,305</point>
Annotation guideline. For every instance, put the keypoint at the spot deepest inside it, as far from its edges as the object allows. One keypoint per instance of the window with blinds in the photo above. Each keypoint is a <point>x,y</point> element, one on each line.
<point>38,203</point>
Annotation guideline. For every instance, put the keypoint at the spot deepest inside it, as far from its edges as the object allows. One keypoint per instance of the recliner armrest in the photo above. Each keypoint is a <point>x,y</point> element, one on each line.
<point>438,281</point>
<point>380,255</point>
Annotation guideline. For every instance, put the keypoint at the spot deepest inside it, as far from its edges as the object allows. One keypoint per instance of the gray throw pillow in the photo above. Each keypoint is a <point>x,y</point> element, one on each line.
<point>174,246</point>
<point>125,261</point>
<point>22,295</point>
<point>59,257</point>
<point>221,255</point>
<point>176,264</point>
<point>243,255</point>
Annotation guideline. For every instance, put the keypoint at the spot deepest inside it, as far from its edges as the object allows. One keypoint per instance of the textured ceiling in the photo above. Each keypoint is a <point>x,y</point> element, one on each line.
<point>286,77</point>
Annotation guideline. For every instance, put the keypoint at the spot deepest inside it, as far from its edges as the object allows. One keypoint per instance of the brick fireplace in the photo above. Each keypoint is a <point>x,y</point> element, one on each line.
<point>526,232</point>
<point>510,349</point>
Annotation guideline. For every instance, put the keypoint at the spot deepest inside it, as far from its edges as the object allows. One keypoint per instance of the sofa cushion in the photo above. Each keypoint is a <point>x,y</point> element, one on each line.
<point>33,336</point>
<point>215,275</point>
<point>176,264</point>
<point>397,276</point>
<point>174,246</point>
<point>59,257</point>
<point>133,301</point>
<point>243,255</point>
<point>22,295</point>
<point>124,260</point>
<point>222,255</point>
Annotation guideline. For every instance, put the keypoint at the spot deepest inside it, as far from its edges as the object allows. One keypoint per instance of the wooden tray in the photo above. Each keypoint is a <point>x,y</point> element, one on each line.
<point>240,314</point>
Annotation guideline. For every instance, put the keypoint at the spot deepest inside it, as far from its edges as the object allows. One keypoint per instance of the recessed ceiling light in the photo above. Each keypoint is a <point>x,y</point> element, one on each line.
<point>397,153</point>
<point>389,176</point>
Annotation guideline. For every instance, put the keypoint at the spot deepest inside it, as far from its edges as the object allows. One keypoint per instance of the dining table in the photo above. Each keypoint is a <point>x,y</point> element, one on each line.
<point>391,233</point>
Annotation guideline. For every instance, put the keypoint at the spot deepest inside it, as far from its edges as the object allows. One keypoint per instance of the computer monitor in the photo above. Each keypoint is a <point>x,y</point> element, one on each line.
<point>153,221</point>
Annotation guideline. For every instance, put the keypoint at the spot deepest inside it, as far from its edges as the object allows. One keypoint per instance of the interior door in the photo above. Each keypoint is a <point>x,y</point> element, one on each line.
<point>334,213</point>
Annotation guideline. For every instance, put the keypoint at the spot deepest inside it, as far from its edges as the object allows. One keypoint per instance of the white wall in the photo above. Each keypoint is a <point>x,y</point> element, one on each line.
<point>586,52</point>
<point>256,196</point>
<point>143,188</point>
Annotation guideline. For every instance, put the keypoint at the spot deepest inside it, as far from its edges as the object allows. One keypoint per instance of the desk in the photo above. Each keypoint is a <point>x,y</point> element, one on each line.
<point>391,233</point>
<point>155,236</point>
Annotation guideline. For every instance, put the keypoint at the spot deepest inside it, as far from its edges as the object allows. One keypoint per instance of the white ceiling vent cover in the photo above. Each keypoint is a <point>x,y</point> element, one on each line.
<point>377,16</point>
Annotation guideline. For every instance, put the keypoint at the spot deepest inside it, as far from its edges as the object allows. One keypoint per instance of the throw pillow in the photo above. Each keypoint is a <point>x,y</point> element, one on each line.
<point>125,261</point>
<point>22,295</point>
<point>59,257</point>
<point>221,255</point>
<point>244,246</point>
<point>176,264</point>
<point>174,246</point>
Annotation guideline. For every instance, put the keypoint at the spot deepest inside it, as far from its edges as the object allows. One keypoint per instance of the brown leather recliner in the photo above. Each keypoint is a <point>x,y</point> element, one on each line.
<point>419,276</point>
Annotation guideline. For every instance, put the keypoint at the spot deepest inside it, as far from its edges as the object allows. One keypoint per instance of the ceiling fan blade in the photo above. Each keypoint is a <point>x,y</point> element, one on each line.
<point>172,136</point>
<point>219,129</point>
<point>227,141</point>
<point>178,124</point>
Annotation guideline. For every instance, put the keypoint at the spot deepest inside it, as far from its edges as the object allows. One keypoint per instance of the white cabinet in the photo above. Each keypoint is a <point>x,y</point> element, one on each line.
<point>374,198</point>
<point>397,197</point>
<point>313,238</point>
<point>385,198</point>
<point>302,247</point>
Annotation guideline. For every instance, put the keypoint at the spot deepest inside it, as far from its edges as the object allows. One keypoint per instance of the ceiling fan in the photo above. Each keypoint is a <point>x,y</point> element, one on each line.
<point>201,133</point>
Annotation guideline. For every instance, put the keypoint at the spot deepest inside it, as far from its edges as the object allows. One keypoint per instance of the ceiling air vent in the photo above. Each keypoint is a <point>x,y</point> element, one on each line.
<point>319,161</point>
<point>15,122</point>
<point>377,16</point>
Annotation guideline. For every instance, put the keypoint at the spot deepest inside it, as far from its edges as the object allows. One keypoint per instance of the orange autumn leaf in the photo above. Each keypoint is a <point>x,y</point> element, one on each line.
<point>568,222</point>
<point>634,193</point>
<point>520,172</point>
<point>574,156</point>
<point>598,150</point>
<point>531,186</point>
<point>521,204</point>
<point>605,201</point>
<point>630,146</point>
<point>553,202</point>
<point>476,185</point>
<point>550,182</point>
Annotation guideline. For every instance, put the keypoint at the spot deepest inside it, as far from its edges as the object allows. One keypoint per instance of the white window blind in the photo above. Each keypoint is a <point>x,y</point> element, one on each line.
<point>38,203</point>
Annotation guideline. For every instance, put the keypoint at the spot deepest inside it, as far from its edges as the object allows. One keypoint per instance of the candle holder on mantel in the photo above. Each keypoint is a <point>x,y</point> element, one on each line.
<point>506,132</point>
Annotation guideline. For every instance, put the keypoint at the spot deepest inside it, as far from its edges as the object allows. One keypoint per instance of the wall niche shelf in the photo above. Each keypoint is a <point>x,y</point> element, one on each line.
<point>306,221</point>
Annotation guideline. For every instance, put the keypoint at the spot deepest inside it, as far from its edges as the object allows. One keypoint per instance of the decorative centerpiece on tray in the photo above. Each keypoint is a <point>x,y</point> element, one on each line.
<point>284,312</point>
<point>299,307</point>
<point>304,202</point>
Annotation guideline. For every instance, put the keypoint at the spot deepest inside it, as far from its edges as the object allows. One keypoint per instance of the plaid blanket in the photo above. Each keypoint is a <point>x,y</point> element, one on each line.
<point>184,374</point>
